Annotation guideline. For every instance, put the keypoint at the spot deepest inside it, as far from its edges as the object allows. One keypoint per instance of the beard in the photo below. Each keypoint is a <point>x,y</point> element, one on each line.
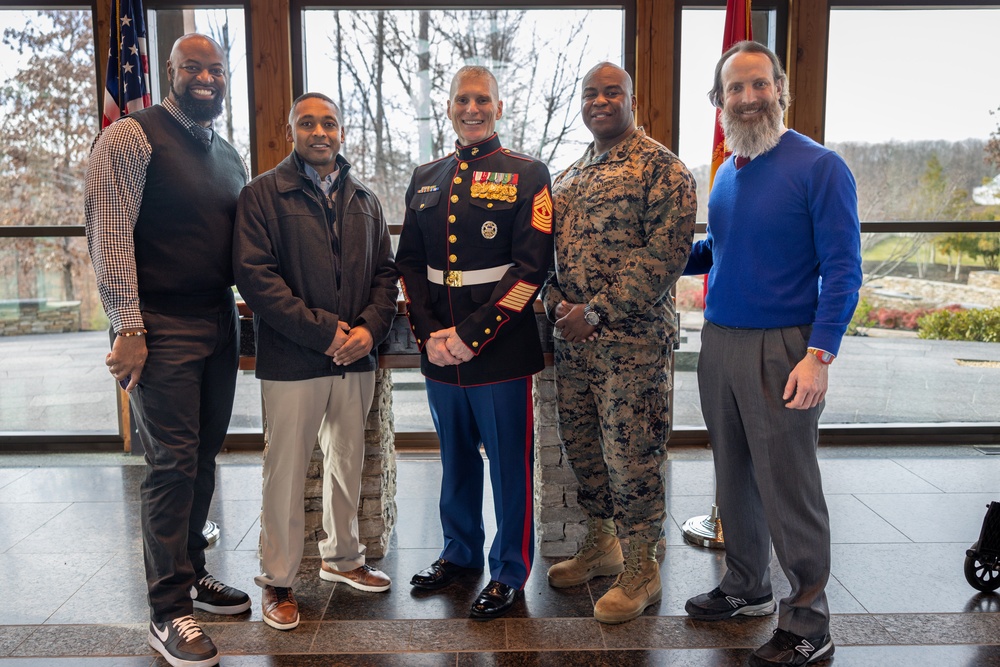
<point>198,110</point>
<point>752,136</point>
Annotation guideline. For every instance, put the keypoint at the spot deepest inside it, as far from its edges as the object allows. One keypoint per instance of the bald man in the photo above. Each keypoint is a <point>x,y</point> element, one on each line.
<point>160,203</point>
<point>625,216</point>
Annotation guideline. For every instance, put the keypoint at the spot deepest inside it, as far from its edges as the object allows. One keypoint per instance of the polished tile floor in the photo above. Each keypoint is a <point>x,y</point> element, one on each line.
<point>72,590</point>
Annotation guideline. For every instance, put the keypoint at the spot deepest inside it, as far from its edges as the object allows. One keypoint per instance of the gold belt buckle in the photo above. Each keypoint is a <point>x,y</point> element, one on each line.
<point>453,278</point>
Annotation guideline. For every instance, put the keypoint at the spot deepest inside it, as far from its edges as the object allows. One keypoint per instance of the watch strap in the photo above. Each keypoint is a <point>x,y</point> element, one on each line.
<point>825,358</point>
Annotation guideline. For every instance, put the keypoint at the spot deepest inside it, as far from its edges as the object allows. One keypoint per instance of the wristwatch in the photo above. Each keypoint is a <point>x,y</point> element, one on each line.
<point>590,316</point>
<point>824,357</point>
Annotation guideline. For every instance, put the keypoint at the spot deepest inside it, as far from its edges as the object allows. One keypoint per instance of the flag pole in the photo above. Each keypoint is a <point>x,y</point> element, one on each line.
<point>706,530</point>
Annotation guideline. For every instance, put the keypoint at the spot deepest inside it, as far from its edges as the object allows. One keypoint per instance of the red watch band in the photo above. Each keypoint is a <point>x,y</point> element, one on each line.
<point>824,357</point>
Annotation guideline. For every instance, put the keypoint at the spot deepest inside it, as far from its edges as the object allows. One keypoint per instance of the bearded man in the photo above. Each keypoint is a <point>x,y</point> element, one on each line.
<point>783,257</point>
<point>160,202</point>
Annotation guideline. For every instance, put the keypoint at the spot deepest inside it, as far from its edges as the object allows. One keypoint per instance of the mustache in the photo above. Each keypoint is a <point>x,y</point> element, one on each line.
<point>750,107</point>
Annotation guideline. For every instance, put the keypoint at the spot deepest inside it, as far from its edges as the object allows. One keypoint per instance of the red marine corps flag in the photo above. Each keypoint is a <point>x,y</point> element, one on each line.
<point>127,82</point>
<point>706,530</point>
<point>738,28</point>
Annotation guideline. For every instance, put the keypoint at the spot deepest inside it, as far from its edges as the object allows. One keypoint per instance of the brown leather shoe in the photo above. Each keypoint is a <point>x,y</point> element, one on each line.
<point>281,611</point>
<point>364,578</point>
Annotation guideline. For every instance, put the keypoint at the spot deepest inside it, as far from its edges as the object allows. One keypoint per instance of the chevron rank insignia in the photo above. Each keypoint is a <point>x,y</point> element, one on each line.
<point>541,211</point>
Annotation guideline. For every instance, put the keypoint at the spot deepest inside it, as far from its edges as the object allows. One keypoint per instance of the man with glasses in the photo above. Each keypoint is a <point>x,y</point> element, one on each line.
<point>160,202</point>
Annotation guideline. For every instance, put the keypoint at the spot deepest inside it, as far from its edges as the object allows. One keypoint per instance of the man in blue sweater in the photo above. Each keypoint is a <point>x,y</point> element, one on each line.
<point>784,267</point>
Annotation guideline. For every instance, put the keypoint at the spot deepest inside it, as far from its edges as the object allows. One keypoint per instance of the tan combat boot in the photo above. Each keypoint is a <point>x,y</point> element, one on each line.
<point>600,556</point>
<point>635,589</point>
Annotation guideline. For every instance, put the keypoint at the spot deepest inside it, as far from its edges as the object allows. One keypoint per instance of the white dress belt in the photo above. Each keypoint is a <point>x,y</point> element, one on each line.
<point>461,278</point>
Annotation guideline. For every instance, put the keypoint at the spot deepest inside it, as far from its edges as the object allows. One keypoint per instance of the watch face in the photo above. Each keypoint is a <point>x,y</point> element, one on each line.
<point>592,318</point>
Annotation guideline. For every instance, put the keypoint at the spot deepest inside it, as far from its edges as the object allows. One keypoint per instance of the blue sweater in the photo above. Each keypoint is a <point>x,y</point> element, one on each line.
<point>784,243</point>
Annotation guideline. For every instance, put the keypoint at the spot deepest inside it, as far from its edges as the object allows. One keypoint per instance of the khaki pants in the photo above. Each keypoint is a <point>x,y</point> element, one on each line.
<point>334,409</point>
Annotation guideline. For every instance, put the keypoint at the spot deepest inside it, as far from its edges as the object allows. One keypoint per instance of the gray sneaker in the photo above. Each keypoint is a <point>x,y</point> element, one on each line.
<point>717,606</point>
<point>182,643</point>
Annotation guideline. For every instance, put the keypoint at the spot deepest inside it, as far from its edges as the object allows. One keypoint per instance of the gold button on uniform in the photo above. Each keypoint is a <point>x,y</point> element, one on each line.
<point>475,343</point>
<point>488,205</point>
<point>452,258</point>
<point>454,199</point>
<point>499,318</point>
<point>463,166</point>
<point>452,238</point>
<point>458,180</point>
<point>451,218</point>
<point>487,332</point>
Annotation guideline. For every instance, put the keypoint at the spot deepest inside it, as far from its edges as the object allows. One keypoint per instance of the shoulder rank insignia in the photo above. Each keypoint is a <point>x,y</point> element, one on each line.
<point>541,211</point>
<point>427,188</point>
<point>494,185</point>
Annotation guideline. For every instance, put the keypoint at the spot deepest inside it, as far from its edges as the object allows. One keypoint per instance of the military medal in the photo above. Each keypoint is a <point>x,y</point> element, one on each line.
<point>494,185</point>
<point>489,229</point>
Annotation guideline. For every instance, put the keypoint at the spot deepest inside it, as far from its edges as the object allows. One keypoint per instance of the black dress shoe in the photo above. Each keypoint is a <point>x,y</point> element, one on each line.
<point>495,600</point>
<point>440,574</point>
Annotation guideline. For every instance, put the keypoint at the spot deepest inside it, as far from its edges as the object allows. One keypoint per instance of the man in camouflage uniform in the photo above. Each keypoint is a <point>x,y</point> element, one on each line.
<point>625,216</point>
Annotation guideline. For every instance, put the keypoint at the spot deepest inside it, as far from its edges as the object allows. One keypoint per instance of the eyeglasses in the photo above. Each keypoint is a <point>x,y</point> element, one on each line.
<point>195,70</point>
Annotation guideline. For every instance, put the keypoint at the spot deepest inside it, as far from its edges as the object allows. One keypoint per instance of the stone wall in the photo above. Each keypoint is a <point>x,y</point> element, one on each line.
<point>559,521</point>
<point>988,279</point>
<point>377,509</point>
<point>893,292</point>
<point>37,316</point>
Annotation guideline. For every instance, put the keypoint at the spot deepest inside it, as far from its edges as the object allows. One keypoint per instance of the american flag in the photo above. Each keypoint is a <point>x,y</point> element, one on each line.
<point>127,87</point>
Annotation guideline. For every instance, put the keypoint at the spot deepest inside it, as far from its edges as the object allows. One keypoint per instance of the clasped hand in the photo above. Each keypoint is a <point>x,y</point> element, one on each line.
<point>349,344</point>
<point>571,325</point>
<point>445,348</point>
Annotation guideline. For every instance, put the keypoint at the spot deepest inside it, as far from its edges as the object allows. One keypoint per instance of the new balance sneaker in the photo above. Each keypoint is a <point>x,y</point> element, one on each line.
<point>716,606</point>
<point>210,594</point>
<point>786,648</point>
<point>182,643</point>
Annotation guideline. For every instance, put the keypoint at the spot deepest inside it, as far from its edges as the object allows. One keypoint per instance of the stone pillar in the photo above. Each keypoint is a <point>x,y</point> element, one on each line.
<point>377,508</point>
<point>561,524</point>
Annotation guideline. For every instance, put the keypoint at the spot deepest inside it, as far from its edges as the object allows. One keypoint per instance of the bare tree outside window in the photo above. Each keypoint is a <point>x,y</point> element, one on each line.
<point>391,71</point>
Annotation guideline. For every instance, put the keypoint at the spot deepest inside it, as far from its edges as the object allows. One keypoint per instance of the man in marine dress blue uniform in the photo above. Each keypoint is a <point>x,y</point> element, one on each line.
<point>475,248</point>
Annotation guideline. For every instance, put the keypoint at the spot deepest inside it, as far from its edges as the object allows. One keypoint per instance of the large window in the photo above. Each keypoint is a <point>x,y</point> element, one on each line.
<point>52,338</point>
<point>917,139</point>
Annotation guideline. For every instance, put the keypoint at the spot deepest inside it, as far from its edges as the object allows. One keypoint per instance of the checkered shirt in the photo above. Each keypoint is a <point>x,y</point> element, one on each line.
<point>113,191</point>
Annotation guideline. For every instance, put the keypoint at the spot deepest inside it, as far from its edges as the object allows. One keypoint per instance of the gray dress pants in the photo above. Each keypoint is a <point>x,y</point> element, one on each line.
<point>767,475</point>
